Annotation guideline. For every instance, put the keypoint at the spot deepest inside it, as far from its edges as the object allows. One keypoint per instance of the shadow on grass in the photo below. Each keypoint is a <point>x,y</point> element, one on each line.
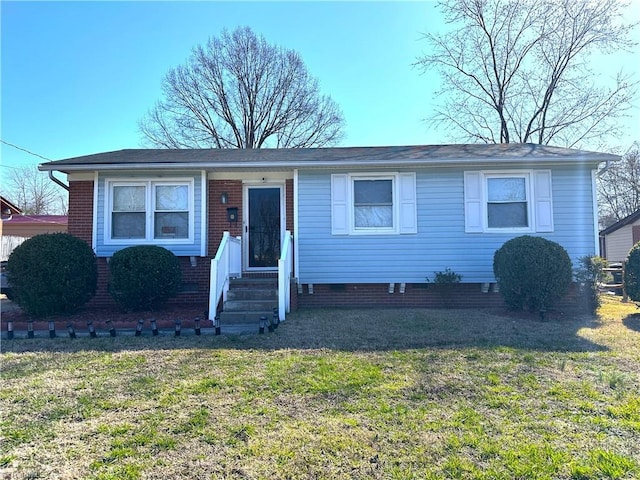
<point>362,330</point>
<point>632,322</point>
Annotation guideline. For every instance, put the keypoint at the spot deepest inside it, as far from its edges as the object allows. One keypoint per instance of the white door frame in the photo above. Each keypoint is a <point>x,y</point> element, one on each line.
<point>245,222</point>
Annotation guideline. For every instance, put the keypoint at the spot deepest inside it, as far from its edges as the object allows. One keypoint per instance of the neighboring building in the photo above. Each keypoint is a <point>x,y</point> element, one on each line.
<point>369,225</point>
<point>16,227</point>
<point>617,239</point>
<point>7,208</point>
<point>31,225</point>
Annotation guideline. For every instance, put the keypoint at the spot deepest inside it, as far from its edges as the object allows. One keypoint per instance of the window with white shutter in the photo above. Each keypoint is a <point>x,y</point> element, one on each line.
<point>518,201</point>
<point>373,204</point>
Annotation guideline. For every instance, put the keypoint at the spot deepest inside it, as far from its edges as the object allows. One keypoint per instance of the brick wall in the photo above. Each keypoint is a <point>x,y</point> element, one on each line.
<point>464,295</point>
<point>81,210</point>
<point>467,295</point>
<point>218,213</point>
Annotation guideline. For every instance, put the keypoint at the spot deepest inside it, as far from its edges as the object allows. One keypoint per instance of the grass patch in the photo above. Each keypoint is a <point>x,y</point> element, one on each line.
<point>333,394</point>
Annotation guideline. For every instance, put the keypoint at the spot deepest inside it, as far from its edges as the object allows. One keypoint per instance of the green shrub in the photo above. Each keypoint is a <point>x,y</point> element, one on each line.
<point>51,274</point>
<point>144,277</point>
<point>589,275</point>
<point>446,277</point>
<point>532,272</point>
<point>444,283</point>
<point>632,273</point>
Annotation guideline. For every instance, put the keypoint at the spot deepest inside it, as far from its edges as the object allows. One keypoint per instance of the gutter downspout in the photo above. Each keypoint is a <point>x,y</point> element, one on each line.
<point>607,166</point>
<point>58,181</point>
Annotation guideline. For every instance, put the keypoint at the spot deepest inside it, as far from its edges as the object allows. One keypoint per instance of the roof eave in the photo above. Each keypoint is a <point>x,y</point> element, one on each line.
<point>78,167</point>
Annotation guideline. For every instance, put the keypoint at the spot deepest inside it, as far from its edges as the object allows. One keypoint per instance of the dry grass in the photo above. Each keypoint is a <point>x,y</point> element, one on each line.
<point>333,394</point>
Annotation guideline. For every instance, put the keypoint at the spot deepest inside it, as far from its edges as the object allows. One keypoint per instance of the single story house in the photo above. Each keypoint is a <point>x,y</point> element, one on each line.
<point>352,226</point>
<point>616,240</point>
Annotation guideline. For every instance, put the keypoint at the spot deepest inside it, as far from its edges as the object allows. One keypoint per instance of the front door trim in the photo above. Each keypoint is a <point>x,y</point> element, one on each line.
<point>246,227</point>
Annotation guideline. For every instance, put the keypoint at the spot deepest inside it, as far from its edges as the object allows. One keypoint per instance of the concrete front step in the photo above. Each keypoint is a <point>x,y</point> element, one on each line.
<point>250,305</point>
<point>244,317</point>
<point>252,294</point>
<point>248,299</point>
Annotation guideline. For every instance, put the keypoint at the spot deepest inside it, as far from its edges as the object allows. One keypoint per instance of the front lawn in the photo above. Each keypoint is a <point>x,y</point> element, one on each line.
<point>332,394</point>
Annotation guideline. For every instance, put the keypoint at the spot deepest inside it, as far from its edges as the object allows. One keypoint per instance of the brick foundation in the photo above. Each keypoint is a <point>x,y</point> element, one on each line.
<point>377,295</point>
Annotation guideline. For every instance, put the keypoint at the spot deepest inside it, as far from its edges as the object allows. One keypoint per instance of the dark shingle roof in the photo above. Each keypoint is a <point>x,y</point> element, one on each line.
<point>328,157</point>
<point>621,223</point>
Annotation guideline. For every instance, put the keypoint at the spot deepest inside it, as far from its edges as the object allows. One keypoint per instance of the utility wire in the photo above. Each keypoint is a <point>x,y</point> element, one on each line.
<point>25,150</point>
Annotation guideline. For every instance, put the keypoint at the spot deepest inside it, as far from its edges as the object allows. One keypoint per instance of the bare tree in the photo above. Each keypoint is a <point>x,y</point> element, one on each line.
<point>34,193</point>
<point>619,188</point>
<point>238,91</point>
<point>518,70</point>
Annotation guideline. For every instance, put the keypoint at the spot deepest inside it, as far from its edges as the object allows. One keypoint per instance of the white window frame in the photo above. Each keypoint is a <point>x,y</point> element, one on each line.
<point>539,191</point>
<point>393,229</point>
<point>150,196</point>
<point>526,175</point>
<point>405,218</point>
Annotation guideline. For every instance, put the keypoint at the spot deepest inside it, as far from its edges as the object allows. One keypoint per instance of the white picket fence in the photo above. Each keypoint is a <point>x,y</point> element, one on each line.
<point>7,244</point>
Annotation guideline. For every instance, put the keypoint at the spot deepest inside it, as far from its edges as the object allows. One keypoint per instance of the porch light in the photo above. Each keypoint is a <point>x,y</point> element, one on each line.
<point>224,198</point>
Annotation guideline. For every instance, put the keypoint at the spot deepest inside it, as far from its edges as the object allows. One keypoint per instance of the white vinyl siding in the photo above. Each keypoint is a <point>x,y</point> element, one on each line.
<point>373,204</point>
<point>441,240</point>
<point>518,201</point>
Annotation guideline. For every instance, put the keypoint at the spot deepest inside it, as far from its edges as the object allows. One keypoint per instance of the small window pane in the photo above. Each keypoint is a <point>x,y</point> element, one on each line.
<point>171,225</point>
<point>507,215</point>
<point>373,192</point>
<point>128,225</point>
<point>128,199</point>
<point>373,217</point>
<point>507,189</point>
<point>172,197</point>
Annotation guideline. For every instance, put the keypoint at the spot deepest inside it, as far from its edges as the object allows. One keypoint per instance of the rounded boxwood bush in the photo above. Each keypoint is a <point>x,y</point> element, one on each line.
<point>532,272</point>
<point>144,277</point>
<point>632,273</point>
<point>52,273</point>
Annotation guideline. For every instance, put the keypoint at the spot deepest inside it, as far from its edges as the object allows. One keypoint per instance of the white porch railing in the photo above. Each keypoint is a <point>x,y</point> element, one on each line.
<point>226,264</point>
<point>285,267</point>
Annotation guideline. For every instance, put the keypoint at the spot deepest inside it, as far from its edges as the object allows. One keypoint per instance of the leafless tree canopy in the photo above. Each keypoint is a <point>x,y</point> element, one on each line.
<point>518,71</point>
<point>238,91</point>
<point>619,188</point>
<point>34,193</point>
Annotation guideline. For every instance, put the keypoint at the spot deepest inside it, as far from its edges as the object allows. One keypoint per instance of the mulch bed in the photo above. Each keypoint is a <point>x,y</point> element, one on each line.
<point>165,318</point>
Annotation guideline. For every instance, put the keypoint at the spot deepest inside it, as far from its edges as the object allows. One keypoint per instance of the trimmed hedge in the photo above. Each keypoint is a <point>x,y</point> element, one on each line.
<point>52,273</point>
<point>532,272</point>
<point>632,273</point>
<point>144,277</point>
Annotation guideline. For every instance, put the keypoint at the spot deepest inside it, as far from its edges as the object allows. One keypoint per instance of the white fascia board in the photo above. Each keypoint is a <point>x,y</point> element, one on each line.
<point>270,166</point>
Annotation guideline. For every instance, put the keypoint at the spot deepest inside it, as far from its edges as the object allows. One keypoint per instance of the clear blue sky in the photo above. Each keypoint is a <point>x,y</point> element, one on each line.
<point>77,76</point>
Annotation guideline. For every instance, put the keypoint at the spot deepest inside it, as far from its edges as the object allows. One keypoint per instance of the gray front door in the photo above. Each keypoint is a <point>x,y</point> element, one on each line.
<point>263,230</point>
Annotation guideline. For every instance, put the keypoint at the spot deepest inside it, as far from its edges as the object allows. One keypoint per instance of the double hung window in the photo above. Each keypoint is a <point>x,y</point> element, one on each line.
<point>516,201</point>
<point>149,211</point>
<point>507,202</point>
<point>373,203</point>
